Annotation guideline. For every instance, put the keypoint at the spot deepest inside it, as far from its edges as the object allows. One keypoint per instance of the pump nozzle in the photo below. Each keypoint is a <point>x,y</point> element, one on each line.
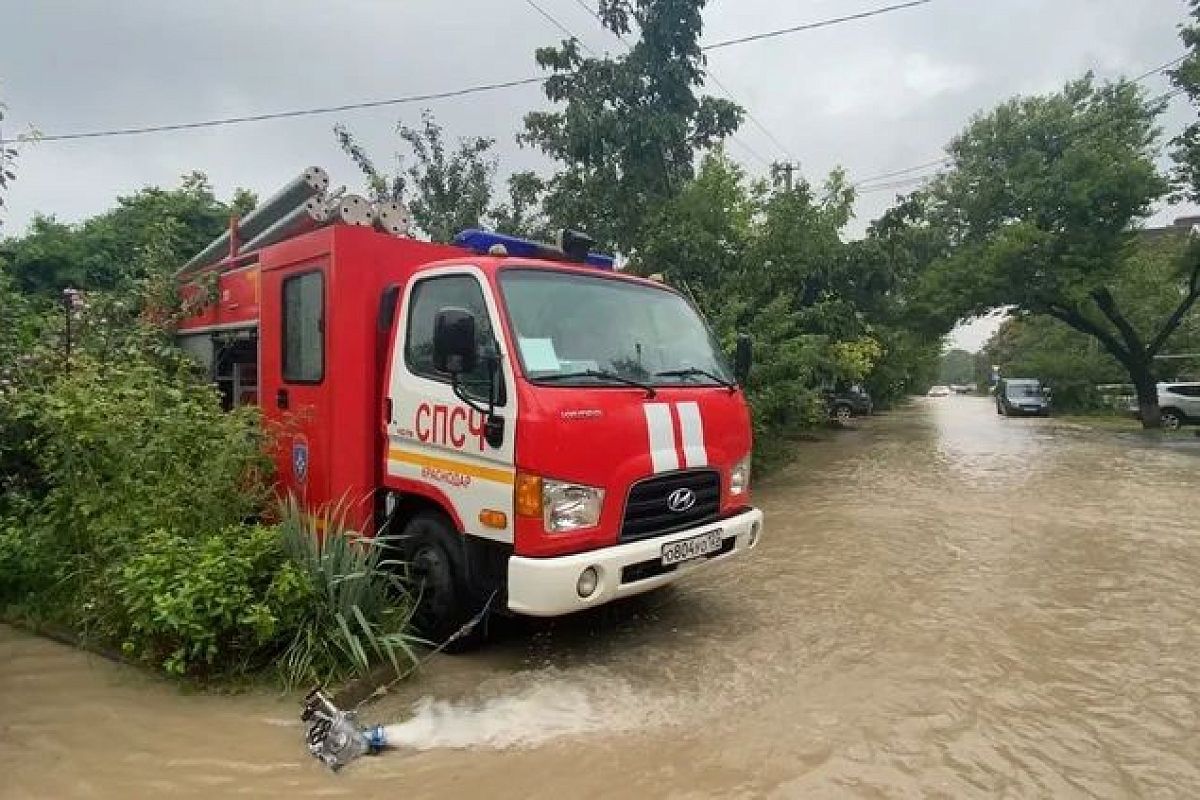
<point>332,736</point>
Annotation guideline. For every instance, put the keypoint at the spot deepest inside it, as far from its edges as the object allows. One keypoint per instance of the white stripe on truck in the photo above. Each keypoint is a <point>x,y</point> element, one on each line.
<point>663,457</point>
<point>694,452</point>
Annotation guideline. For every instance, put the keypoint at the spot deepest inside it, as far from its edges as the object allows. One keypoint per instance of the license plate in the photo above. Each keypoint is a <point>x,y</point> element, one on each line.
<point>695,547</point>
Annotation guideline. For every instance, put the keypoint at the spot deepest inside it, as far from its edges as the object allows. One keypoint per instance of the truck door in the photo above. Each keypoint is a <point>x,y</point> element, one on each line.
<point>294,383</point>
<point>436,442</point>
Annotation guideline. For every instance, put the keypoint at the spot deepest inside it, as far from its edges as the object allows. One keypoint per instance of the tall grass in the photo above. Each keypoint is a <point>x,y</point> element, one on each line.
<point>360,613</point>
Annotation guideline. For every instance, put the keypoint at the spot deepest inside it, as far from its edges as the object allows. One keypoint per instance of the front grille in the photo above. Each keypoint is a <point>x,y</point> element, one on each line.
<point>647,513</point>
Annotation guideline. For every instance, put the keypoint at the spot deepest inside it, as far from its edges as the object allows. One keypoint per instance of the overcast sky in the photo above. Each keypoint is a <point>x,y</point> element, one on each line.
<point>873,96</point>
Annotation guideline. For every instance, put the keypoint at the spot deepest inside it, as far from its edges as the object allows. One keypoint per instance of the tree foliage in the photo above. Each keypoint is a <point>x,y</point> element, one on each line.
<point>629,127</point>
<point>104,252</point>
<point>957,367</point>
<point>1186,146</point>
<point>8,158</point>
<point>448,189</point>
<point>1041,205</point>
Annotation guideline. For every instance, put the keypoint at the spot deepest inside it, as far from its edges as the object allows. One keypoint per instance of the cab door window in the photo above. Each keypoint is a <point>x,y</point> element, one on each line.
<point>304,328</point>
<point>431,295</point>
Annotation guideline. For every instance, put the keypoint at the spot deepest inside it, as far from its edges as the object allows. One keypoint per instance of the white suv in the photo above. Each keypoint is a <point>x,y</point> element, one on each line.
<point>1180,403</point>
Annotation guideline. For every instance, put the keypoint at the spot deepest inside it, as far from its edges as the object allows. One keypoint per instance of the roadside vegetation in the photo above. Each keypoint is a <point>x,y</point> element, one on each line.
<point>133,508</point>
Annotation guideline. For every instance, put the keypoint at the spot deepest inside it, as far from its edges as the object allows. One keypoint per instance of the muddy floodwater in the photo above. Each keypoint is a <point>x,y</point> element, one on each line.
<point>945,604</point>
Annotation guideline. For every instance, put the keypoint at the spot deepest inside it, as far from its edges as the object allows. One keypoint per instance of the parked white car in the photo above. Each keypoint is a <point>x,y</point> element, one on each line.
<point>1180,403</point>
<point>938,391</point>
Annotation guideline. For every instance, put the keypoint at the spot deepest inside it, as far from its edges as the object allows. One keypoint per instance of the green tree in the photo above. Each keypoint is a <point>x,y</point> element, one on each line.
<point>1042,202</point>
<point>883,271</point>
<point>8,157</point>
<point>629,127</point>
<point>957,367</point>
<point>102,252</point>
<point>1071,363</point>
<point>448,188</point>
<point>1186,76</point>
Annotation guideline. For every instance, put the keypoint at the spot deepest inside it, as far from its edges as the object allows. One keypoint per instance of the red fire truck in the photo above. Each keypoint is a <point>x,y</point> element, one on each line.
<point>536,426</point>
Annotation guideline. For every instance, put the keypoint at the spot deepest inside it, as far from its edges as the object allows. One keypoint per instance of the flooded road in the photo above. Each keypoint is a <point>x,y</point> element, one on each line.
<point>945,604</point>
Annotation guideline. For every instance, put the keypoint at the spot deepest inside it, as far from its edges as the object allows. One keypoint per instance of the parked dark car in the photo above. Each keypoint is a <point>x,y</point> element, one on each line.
<point>1022,397</point>
<point>848,402</point>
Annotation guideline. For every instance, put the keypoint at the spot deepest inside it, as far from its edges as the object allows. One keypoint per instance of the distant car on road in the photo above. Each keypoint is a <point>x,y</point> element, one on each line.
<point>1179,403</point>
<point>938,391</point>
<point>1022,397</point>
<point>845,404</point>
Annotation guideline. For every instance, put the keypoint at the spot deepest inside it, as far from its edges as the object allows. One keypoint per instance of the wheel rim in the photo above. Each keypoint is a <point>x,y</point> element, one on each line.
<point>1171,421</point>
<point>431,578</point>
<point>843,414</point>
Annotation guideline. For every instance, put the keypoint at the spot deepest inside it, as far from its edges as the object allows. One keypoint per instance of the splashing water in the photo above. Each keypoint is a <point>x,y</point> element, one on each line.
<point>528,716</point>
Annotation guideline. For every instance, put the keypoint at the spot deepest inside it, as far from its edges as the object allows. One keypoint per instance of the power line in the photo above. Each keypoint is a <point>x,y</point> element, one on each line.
<point>1158,69</point>
<point>825,23</point>
<point>420,98</point>
<point>918,179</point>
<point>307,112</point>
<point>559,25</point>
<point>860,184</point>
<point>750,115</point>
<point>905,171</point>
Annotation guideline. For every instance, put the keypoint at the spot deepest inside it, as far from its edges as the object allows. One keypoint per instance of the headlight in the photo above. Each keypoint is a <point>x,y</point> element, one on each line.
<point>570,506</point>
<point>739,477</point>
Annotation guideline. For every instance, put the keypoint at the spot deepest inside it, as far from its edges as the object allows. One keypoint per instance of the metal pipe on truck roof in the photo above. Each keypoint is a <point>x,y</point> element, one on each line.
<point>352,209</point>
<point>392,217</point>
<point>310,215</point>
<point>313,182</point>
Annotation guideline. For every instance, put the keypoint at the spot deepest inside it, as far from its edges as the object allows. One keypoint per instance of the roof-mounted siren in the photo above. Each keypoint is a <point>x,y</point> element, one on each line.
<point>573,246</point>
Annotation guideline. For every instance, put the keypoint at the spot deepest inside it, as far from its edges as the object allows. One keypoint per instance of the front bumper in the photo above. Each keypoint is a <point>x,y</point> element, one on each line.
<point>546,587</point>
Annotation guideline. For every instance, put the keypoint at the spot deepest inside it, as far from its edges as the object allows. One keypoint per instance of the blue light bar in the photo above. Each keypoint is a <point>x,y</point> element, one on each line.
<point>481,242</point>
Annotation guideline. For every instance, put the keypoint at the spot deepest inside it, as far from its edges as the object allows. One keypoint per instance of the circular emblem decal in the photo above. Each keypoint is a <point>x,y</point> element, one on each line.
<point>681,500</point>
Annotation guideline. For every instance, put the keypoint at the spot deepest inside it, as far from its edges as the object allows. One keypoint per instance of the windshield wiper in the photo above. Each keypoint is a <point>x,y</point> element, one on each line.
<point>601,375</point>
<point>692,371</point>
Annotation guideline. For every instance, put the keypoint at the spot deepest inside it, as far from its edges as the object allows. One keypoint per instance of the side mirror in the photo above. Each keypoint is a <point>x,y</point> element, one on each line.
<point>455,341</point>
<point>743,358</point>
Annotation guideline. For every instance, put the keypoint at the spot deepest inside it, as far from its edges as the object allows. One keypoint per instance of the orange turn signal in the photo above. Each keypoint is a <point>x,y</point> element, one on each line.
<point>527,493</point>
<point>491,518</point>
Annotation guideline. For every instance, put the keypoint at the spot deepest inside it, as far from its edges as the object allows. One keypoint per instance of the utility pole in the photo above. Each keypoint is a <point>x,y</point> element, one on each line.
<point>781,173</point>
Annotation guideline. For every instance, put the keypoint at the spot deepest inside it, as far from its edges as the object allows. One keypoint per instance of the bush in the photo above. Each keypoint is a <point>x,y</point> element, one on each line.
<point>201,604</point>
<point>129,514</point>
<point>359,613</point>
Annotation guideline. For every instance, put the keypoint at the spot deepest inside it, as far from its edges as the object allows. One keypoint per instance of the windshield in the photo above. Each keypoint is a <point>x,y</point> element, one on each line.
<point>568,324</point>
<point>1024,390</point>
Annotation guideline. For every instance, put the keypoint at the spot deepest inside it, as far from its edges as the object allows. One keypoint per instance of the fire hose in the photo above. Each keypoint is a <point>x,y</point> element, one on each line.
<point>333,735</point>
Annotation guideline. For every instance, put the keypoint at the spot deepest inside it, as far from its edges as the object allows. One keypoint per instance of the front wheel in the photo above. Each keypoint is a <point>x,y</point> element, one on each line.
<point>843,414</point>
<point>434,555</point>
<point>1172,420</point>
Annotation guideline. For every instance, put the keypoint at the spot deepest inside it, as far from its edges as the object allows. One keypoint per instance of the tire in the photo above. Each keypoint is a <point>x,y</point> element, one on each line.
<point>842,414</point>
<point>434,553</point>
<point>1172,420</point>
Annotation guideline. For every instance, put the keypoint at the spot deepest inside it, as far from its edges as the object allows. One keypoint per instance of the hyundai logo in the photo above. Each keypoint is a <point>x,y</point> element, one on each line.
<point>681,500</point>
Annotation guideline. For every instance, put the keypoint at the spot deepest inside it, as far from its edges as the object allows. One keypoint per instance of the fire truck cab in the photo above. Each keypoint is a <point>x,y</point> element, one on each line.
<point>554,434</point>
